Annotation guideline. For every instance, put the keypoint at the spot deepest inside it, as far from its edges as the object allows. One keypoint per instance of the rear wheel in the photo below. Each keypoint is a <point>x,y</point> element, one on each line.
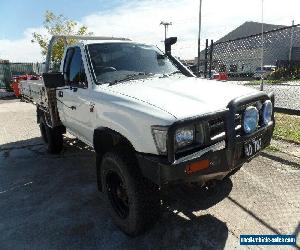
<point>53,137</point>
<point>132,200</point>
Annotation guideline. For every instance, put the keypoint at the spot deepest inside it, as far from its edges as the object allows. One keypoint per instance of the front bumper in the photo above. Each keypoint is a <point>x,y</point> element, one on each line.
<point>223,160</point>
<point>224,157</point>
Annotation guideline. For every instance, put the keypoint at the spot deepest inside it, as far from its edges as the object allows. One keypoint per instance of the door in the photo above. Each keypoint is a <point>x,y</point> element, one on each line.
<point>74,98</point>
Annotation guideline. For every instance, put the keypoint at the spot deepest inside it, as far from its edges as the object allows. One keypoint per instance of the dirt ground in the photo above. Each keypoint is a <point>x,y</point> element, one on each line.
<point>51,202</point>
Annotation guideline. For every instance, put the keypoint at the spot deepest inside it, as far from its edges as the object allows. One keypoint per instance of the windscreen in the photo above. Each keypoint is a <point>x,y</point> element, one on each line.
<point>114,62</point>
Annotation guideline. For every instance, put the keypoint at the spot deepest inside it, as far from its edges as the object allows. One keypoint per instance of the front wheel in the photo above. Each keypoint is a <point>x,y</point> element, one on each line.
<point>132,200</point>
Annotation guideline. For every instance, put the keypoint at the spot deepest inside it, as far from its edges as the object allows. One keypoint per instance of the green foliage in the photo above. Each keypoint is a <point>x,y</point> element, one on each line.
<point>58,25</point>
<point>285,73</point>
<point>287,127</point>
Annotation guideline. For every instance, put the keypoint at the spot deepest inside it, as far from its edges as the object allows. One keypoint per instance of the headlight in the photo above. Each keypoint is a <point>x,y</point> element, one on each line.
<point>267,112</point>
<point>251,118</point>
<point>184,136</point>
<point>160,139</point>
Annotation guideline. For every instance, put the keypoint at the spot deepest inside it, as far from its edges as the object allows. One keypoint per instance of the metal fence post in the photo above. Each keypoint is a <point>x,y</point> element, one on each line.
<point>211,57</point>
<point>7,75</point>
<point>205,58</point>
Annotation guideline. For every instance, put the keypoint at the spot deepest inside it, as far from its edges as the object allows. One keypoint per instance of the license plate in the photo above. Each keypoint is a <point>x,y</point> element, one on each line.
<point>252,147</point>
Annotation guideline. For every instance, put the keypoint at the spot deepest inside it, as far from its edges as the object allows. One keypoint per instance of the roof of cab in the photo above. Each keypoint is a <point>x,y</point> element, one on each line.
<point>85,42</point>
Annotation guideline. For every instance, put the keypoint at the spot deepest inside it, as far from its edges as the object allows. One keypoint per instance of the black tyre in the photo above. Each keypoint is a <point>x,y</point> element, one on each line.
<point>132,200</point>
<point>52,137</point>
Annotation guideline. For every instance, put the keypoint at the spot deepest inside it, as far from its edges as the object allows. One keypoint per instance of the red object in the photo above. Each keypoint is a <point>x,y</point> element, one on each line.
<point>16,79</point>
<point>16,88</point>
<point>222,76</point>
<point>197,166</point>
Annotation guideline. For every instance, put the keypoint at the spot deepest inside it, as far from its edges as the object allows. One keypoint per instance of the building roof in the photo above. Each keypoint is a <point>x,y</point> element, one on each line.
<point>248,29</point>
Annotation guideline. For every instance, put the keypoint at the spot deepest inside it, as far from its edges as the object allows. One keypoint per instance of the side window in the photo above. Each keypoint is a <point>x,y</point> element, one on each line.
<point>74,73</point>
<point>66,68</point>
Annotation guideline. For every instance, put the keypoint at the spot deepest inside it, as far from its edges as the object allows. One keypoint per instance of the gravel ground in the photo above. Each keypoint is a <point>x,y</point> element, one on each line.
<point>51,202</point>
<point>286,95</point>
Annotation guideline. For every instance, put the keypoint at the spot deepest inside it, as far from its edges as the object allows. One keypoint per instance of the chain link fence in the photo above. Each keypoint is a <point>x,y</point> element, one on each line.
<point>268,61</point>
<point>8,70</point>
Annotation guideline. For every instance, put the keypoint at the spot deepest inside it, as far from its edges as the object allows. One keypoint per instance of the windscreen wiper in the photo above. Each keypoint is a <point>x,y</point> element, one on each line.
<point>175,72</point>
<point>130,77</point>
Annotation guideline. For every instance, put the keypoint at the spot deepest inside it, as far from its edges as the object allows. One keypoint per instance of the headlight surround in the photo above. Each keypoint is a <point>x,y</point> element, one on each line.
<point>184,136</point>
<point>251,118</point>
<point>160,139</point>
<point>267,112</point>
<point>190,135</point>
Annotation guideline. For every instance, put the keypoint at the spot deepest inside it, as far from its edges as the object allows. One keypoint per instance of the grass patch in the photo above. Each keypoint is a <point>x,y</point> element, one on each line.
<point>272,148</point>
<point>287,127</point>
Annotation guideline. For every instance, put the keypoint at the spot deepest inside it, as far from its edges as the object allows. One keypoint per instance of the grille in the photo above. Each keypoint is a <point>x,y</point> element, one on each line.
<point>217,129</point>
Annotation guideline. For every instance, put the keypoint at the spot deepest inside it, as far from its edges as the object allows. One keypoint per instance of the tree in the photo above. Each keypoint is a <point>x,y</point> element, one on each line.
<point>58,25</point>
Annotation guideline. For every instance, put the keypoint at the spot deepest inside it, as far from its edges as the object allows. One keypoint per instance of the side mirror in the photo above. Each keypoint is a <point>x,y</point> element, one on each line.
<point>54,80</point>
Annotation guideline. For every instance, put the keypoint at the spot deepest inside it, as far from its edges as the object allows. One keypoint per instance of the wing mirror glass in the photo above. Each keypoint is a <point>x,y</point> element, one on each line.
<point>54,80</point>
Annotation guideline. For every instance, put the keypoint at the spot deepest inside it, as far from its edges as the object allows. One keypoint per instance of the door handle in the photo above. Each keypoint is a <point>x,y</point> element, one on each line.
<point>60,93</point>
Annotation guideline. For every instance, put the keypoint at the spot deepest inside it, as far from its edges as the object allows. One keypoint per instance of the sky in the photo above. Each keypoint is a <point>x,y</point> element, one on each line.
<point>136,19</point>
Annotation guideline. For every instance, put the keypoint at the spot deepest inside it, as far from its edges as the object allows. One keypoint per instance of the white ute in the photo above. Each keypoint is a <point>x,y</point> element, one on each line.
<point>150,121</point>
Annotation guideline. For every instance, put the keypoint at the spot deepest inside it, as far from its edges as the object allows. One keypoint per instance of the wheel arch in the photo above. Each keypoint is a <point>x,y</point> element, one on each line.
<point>106,140</point>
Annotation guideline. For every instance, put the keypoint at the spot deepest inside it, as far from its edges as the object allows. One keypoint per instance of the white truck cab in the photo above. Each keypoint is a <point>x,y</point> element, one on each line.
<point>150,121</point>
